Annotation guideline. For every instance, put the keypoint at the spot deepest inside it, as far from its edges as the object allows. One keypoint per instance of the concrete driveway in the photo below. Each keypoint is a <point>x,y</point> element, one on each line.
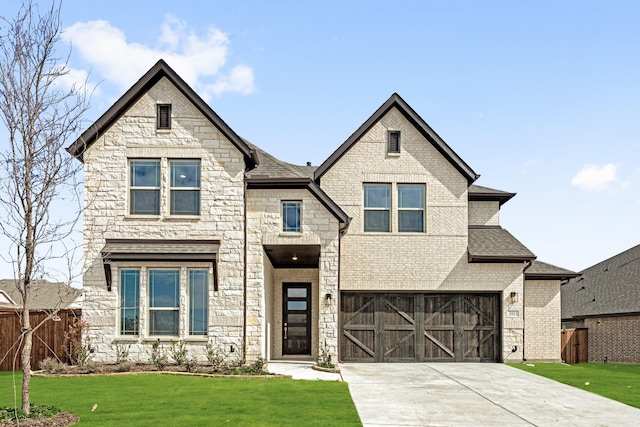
<point>470,394</point>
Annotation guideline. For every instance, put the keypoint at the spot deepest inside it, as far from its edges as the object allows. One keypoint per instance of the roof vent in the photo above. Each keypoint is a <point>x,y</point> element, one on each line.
<point>308,163</point>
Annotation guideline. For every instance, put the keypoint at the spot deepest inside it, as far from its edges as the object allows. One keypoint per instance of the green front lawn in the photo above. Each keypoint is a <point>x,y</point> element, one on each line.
<point>153,400</point>
<point>618,382</point>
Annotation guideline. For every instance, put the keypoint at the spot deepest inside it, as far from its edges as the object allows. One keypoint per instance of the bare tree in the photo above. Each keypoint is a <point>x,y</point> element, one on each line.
<point>40,114</point>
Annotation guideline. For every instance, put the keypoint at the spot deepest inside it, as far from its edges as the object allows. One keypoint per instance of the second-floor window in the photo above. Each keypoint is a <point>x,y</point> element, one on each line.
<point>291,217</point>
<point>393,141</point>
<point>411,208</point>
<point>144,187</point>
<point>185,187</point>
<point>377,207</point>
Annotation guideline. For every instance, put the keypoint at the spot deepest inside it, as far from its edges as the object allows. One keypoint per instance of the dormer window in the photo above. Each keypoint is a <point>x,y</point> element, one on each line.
<point>163,119</point>
<point>393,141</point>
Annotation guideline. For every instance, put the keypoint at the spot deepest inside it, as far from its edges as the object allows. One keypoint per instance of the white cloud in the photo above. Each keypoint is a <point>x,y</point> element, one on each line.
<point>595,178</point>
<point>200,60</point>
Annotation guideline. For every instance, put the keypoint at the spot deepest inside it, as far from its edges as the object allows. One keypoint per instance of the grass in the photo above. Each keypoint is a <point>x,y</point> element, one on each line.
<point>152,400</point>
<point>617,382</point>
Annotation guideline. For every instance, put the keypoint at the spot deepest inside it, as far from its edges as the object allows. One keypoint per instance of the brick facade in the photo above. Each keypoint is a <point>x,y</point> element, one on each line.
<point>542,314</point>
<point>246,312</point>
<point>612,338</point>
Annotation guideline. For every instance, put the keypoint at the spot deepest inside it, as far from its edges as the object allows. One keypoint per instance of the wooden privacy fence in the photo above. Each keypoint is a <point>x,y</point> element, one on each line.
<point>575,345</point>
<point>48,339</point>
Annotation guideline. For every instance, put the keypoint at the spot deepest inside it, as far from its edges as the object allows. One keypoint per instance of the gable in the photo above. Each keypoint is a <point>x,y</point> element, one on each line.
<point>395,101</point>
<point>159,71</point>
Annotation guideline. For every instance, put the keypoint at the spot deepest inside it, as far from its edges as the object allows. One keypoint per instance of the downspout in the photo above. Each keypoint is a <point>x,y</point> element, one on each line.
<point>524,309</point>
<point>341,232</point>
<point>244,281</point>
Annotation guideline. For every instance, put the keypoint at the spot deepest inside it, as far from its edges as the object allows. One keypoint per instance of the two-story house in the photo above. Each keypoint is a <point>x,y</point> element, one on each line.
<point>387,251</point>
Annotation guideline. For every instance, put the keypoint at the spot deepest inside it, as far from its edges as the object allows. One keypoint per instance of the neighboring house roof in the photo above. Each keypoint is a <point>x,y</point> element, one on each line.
<point>543,271</point>
<point>45,295</point>
<point>274,173</point>
<point>495,244</point>
<point>158,71</point>
<point>611,287</point>
<point>479,193</point>
<point>396,101</point>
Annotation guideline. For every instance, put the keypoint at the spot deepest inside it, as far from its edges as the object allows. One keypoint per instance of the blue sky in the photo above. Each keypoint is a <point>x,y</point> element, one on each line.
<point>540,98</point>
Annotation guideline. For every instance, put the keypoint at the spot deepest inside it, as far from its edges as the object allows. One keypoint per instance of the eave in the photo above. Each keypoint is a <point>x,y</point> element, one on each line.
<point>158,71</point>
<point>396,101</point>
<point>303,183</point>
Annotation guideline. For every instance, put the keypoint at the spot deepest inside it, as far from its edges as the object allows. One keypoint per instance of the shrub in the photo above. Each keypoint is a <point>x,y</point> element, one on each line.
<point>122,352</point>
<point>215,356</point>
<point>124,366</point>
<point>52,366</point>
<point>78,350</point>
<point>179,352</point>
<point>191,364</point>
<point>323,358</point>
<point>159,357</point>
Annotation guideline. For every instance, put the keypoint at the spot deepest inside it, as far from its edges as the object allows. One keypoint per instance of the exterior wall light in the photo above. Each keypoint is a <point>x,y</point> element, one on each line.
<point>514,297</point>
<point>328,297</point>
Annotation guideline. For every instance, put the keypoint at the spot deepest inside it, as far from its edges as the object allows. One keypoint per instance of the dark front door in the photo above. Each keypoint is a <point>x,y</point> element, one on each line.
<point>296,318</point>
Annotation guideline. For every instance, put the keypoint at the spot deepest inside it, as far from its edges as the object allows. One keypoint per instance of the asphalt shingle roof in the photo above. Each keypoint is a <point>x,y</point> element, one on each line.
<point>609,287</point>
<point>270,167</point>
<point>543,270</point>
<point>45,295</point>
<point>496,244</point>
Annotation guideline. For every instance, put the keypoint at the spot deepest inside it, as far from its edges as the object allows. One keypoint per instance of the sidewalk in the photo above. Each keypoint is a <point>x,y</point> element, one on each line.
<point>300,370</point>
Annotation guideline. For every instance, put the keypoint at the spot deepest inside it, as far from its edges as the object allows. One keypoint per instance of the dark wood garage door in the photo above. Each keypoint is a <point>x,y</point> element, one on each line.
<point>420,327</point>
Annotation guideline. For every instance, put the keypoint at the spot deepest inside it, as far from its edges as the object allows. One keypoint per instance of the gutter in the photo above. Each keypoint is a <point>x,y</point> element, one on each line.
<point>524,310</point>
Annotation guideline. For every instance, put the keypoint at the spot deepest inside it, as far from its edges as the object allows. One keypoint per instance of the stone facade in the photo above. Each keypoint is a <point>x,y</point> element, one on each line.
<point>264,226</point>
<point>134,136</point>
<point>245,312</point>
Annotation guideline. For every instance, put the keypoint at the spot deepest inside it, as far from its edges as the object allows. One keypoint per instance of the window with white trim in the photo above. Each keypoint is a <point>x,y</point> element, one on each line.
<point>198,302</point>
<point>410,208</point>
<point>164,302</point>
<point>129,302</point>
<point>184,187</point>
<point>377,207</point>
<point>144,187</point>
<point>292,216</point>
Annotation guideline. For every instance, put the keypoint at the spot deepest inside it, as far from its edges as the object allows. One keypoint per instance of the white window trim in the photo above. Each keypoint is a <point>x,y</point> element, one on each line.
<point>144,303</point>
<point>389,209</point>
<point>282,203</point>
<point>423,209</point>
<point>130,187</point>
<point>171,189</point>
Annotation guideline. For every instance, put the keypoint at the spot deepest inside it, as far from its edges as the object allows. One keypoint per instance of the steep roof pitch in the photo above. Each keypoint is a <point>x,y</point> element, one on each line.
<point>480,193</point>
<point>543,271</point>
<point>396,101</point>
<point>159,70</point>
<point>608,288</point>
<point>274,173</point>
<point>495,244</point>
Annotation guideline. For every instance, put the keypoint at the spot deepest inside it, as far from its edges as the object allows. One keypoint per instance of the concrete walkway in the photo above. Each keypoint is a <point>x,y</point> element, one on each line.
<point>469,394</point>
<point>300,370</point>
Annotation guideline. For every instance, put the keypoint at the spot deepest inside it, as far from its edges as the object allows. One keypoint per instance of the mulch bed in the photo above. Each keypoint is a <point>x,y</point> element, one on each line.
<point>63,419</point>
